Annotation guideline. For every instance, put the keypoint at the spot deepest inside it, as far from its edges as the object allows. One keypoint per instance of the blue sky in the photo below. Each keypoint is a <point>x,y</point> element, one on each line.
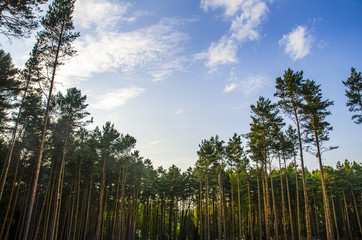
<point>171,73</point>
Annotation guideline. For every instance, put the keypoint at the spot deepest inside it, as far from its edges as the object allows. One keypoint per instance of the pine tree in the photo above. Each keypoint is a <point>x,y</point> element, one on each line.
<point>17,17</point>
<point>354,95</point>
<point>288,89</point>
<point>55,45</point>
<point>314,112</point>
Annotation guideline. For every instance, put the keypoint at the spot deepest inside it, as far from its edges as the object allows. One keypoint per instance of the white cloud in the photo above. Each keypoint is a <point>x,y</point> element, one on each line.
<point>101,13</point>
<point>246,16</point>
<point>117,98</point>
<point>253,84</point>
<point>298,43</point>
<point>179,111</point>
<point>231,87</point>
<point>155,50</point>
<point>222,52</point>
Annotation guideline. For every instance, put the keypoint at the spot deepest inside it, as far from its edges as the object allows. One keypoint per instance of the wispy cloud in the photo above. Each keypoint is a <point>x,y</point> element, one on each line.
<point>116,98</point>
<point>245,16</point>
<point>297,43</point>
<point>179,111</point>
<point>253,84</point>
<point>230,87</point>
<point>249,85</point>
<point>154,50</point>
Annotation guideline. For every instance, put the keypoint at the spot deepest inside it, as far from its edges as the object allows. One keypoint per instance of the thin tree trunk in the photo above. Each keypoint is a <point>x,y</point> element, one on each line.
<point>283,201</point>
<point>267,209</point>
<point>4,172</point>
<point>329,227</point>
<point>42,142</point>
<point>276,232</point>
<point>335,216</point>
<point>259,204</point>
<point>57,190</point>
<point>207,228</point>
<point>100,206</point>
<point>306,201</point>
<point>289,203</point>
<point>250,218</point>
<point>347,215</point>
<point>297,199</point>
<point>200,213</point>
<point>232,209</point>
<point>88,208</point>
<point>239,203</point>
<point>316,217</point>
<point>220,206</point>
<point>357,214</point>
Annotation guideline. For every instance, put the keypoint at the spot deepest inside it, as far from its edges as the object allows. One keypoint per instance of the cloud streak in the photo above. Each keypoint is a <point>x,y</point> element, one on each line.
<point>117,98</point>
<point>297,43</point>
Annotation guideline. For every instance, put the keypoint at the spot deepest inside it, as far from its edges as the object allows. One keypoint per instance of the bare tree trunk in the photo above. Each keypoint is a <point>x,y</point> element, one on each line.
<point>259,203</point>
<point>239,203</point>
<point>42,143</point>
<point>250,218</point>
<point>329,227</point>
<point>289,204</point>
<point>283,201</point>
<point>347,215</point>
<point>5,169</point>
<point>232,209</point>
<point>357,214</point>
<point>57,190</point>
<point>297,199</point>
<point>306,201</point>
<point>100,206</point>
<point>335,216</point>
<point>200,213</point>
<point>276,232</point>
<point>88,209</point>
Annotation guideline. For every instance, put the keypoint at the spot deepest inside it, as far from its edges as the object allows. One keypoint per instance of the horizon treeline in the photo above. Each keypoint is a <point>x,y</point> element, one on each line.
<point>62,180</point>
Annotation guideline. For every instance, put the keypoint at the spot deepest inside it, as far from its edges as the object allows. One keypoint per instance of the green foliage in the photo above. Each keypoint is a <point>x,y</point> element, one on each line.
<point>354,95</point>
<point>18,17</point>
<point>9,87</point>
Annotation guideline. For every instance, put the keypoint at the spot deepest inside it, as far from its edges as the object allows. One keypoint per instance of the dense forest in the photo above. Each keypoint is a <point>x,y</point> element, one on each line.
<point>62,180</point>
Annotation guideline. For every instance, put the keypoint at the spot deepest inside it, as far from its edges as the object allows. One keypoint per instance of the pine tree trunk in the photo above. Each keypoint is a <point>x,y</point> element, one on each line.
<point>357,214</point>
<point>77,204</point>
<point>276,232</point>
<point>200,212</point>
<point>329,227</point>
<point>10,198</point>
<point>306,201</point>
<point>239,203</point>
<point>88,209</point>
<point>4,172</point>
<point>289,203</point>
<point>42,143</point>
<point>267,206</point>
<point>220,206</point>
<point>207,223</point>
<point>57,190</point>
<point>335,216</point>
<point>347,215</point>
<point>283,201</point>
<point>100,206</point>
<point>297,199</point>
<point>250,218</point>
<point>316,217</point>
<point>232,209</point>
<point>259,204</point>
